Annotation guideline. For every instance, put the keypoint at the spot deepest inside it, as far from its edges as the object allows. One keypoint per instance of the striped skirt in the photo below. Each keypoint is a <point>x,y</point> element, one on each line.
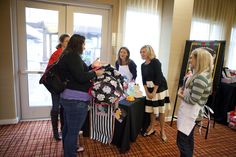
<point>102,124</point>
<point>159,103</point>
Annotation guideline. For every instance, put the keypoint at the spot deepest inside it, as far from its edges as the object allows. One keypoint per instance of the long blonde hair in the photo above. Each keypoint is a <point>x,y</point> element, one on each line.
<point>204,62</point>
<point>150,51</point>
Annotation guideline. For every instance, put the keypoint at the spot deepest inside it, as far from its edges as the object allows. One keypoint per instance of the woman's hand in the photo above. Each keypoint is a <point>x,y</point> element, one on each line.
<point>181,92</point>
<point>96,63</point>
<point>153,94</point>
<point>149,95</point>
<point>99,72</point>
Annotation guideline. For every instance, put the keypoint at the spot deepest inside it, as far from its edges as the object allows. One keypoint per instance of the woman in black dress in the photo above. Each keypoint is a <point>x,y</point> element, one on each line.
<point>155,85</point>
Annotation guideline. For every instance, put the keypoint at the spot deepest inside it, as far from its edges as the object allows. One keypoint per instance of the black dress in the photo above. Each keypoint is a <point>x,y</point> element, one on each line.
<point>151,76</point>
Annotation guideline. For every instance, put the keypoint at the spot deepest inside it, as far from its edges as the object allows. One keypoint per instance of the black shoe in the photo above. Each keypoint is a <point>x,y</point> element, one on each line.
<point>57,137</point>
<point>144,134</point>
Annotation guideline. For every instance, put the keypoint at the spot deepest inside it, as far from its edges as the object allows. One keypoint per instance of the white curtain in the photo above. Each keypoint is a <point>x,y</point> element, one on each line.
<point>215,20</point>
<point>139,24</point>
<point>231,63</point>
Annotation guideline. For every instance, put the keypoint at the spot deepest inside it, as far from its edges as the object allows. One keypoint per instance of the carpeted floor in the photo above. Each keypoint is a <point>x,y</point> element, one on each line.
<point>35,139</point>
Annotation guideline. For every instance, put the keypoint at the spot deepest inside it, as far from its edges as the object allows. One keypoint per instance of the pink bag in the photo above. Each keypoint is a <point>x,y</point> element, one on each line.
<point>232,119</point>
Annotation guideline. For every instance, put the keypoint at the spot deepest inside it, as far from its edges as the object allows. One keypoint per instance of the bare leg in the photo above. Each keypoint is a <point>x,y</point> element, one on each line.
<point>153,119</point>
<point>162,123</point>
<point>152,124</point>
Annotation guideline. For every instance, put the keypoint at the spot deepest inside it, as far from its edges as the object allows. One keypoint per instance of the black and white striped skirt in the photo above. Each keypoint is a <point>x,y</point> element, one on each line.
<point>102,124</point>
<point>159,103</point>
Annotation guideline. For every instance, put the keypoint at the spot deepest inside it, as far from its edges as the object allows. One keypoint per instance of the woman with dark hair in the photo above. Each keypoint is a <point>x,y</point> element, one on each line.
<point>125,65</point>
<point>63,40</point>
<point>75,98</point>
<point>56,107</point>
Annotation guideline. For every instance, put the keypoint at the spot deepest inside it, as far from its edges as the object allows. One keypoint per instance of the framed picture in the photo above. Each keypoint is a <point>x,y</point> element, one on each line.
<point>216,48</point>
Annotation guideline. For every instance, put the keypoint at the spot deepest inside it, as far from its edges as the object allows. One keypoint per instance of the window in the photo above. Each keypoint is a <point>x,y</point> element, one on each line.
<point>232,50</point>
<point>205,31</point>
<point>141,29</point>
<point>89,25</point>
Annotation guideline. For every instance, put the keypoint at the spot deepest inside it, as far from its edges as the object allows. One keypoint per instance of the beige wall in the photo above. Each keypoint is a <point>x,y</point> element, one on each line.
<point>165,36</point>
<point>7,96</point>
<point>181,25</point>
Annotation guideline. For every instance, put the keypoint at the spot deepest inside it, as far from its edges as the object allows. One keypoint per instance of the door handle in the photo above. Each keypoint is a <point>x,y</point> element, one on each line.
<point>31,72</point>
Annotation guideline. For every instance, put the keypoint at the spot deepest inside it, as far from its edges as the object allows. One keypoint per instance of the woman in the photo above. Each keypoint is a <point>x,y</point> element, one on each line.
<point>194,96</point>
<point>75,98</point>
<point>155,85</point>
<point>125,65</point>
<point>56,107</point>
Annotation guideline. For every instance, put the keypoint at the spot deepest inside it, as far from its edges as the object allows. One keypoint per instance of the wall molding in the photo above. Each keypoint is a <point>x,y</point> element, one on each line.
<point>9,121</point>
<point>168,119</point>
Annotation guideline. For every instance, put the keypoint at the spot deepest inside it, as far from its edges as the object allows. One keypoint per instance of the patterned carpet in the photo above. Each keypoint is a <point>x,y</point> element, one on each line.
<point>35,139</point>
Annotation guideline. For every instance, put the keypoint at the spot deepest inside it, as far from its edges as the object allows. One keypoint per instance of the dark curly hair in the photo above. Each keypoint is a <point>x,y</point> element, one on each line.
<point>75,43</point>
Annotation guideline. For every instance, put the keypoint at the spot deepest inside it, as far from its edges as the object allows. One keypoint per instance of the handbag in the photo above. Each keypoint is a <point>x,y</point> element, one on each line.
<point>52,79</point>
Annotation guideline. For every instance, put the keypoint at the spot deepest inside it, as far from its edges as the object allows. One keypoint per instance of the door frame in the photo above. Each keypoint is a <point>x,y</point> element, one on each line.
<point>27,112</point>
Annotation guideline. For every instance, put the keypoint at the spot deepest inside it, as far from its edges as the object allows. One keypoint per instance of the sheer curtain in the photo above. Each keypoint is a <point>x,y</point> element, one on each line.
<point>215,20</point>
<point>232,46</point>
<point>139,24</point>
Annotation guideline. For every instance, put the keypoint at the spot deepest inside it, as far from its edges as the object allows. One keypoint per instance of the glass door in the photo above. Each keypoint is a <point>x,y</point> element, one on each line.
<point>39,25</point>
<point>93,24</point>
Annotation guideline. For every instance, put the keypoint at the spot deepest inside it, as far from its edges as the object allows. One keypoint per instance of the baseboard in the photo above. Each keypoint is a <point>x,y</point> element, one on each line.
<point>9,121</point>
<point>168,119</point>
<point>37,119</point>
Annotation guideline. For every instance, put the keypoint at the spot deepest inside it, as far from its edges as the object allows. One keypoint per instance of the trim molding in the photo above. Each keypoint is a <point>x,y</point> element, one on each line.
<point>168,119</point>
<point>9,121</point>
<point>30,120</point>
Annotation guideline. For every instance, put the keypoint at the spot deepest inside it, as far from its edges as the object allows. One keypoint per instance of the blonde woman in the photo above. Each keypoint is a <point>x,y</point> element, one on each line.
<point>194,96</point>
<point>155,85</point>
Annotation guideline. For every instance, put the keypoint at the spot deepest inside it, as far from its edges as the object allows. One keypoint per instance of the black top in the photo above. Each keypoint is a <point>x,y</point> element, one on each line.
<point>73,68</point>
<point>152,72</point>
<point>132,68</point>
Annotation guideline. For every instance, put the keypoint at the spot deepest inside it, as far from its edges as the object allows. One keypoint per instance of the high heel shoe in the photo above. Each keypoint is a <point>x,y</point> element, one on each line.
<point>80,149</point>
<point>163,137</point>
<point>57,137</point>
<point>151,132</point>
